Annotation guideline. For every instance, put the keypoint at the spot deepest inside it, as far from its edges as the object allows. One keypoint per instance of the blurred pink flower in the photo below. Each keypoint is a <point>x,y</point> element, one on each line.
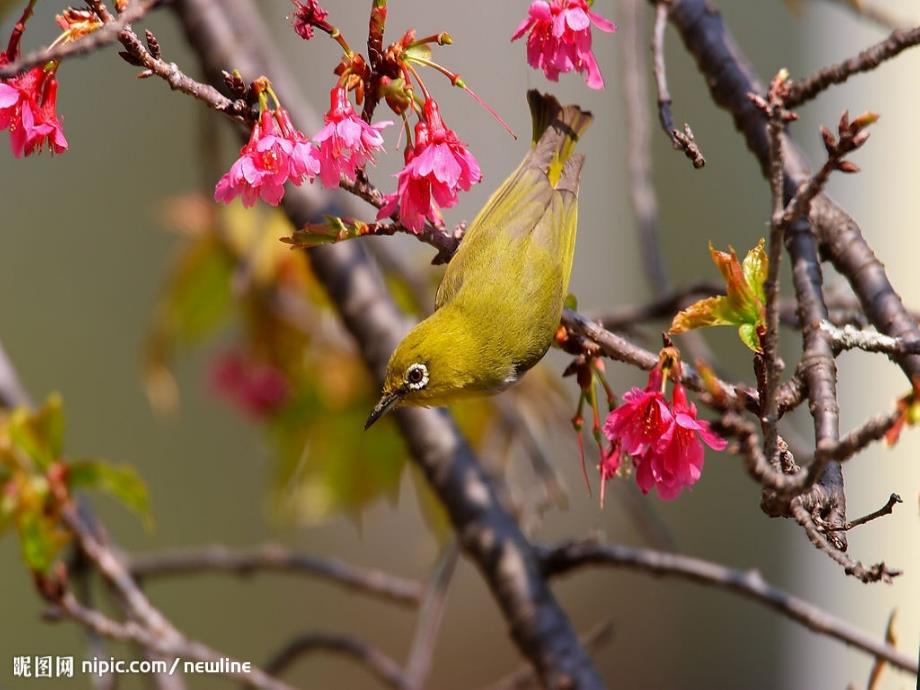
<point>347,142</point>
<point>560,38</point>
<point>437,168</point>
<point>276,153</point>
<point>256,388</point>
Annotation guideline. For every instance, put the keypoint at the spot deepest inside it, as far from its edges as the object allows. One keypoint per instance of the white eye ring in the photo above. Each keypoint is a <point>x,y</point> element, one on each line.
<point>416,377</point>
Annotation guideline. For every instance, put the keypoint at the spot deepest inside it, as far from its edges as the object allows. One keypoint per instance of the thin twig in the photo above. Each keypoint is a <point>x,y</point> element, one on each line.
<point>179,649</point>
<point>445,241</point>
<point>772,365</point>
<point>275,558</point>
<point>104,36</point>
<point>430,616</point>
<point>886,509</point>
<point>377,662</point>
<point>620,349</point>
<point>665,306</point>
<point>168,71</point>
<point>639,156</point>
<point>681,140</point>
<point>851,338</point>
<point>874,429</point>
<point>806,89</point>
<point>518,422</point>
<point>875,573</point>
<point>113,570</point>
<point>749,584</point>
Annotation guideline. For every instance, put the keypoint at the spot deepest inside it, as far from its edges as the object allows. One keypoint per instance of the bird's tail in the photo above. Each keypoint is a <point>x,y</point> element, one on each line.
<point>556,130</point>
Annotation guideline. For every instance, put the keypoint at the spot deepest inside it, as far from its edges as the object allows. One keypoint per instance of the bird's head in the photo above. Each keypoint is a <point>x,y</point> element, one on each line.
<point>428,368</point>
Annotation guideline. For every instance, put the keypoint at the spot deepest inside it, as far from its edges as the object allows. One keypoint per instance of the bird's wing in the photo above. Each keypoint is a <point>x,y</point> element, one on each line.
<point>556,230</point>
<point>514,210</point>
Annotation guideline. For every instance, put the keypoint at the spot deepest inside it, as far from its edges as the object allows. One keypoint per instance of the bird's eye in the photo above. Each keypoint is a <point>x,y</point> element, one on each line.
<point>417,377</point>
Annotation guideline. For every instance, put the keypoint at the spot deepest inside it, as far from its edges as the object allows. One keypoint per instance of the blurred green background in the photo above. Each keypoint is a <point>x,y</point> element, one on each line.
<point>83,253</point>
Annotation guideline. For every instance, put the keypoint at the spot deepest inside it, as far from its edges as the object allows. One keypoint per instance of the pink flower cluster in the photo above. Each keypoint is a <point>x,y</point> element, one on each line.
<point>276,153</point>
<point>256,388</point>
<point>347,142</point>
<point>437,167</point>
<point>28,110</point>
<point>560,38</point>
<point>664,440</point>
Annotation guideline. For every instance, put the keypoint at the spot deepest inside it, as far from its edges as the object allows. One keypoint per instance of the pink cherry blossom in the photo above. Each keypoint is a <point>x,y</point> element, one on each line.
<point>437,168</point>
<point>560,38</point>
<point>676,461</point>
<point>276,153</point>
<point>347,142</point>
<point>28,105</point>
<point>638,423</point>
<point>256,388</point>
<point>307,14</point>
<point>664,439</point>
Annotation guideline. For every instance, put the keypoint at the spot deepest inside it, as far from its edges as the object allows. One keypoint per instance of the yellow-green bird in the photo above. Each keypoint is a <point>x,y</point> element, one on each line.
<point>501,298</point>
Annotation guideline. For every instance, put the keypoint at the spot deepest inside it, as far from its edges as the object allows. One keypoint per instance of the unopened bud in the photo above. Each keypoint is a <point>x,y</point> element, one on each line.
<point>830,143</point>
<point>847,167</point>
<point>864,120</point>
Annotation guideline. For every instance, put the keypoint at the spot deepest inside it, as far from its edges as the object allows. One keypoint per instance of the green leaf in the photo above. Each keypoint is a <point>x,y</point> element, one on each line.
<point>199,294</point>
<point>121,481</point>
<point>40,434</point>
<point>743,303</point>
<point>748,334</point>
<point>755,267</point>
<point>712,311</point>
<point>40,540</point>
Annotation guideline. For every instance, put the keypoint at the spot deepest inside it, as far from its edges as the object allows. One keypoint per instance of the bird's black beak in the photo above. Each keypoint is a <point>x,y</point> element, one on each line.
<point>385,404</point>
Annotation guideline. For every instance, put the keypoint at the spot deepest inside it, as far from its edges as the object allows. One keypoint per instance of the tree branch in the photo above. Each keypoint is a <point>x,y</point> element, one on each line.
<point>851,338</point>
<point>570,556</point>
<point>382,666</point>
<point>681,140</point>
<point>274,558</point>
<point>104,36</point>
<point>730,79</point>
<point>806,89</point>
